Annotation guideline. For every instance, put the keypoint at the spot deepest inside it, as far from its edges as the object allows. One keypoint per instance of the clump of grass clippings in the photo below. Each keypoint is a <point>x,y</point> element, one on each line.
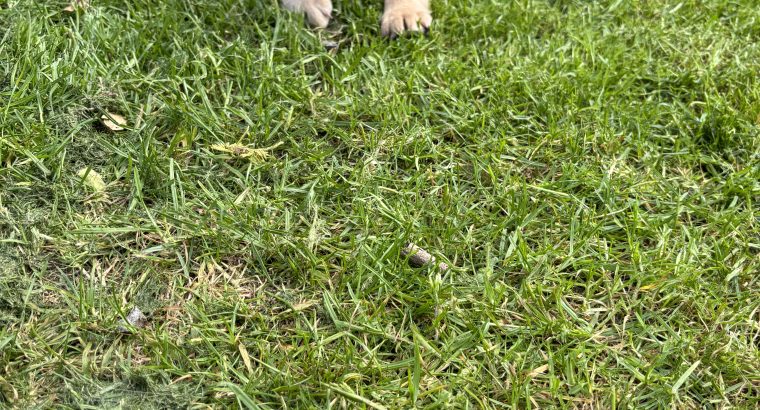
<point>243,151</point>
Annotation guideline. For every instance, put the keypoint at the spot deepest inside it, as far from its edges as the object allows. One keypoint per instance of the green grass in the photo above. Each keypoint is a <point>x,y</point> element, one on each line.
<point>591,170</point>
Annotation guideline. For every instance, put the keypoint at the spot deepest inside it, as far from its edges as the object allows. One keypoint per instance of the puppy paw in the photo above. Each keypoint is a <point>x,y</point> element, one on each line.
<point>318,12</point>
<point>402,16</point>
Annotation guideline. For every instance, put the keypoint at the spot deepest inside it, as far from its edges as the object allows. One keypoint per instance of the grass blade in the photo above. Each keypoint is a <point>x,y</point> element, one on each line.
<point>681,380</point>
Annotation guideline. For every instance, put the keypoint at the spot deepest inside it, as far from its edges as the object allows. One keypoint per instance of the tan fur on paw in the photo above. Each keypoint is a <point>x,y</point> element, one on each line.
<point>402,16</point>
<point>318,12</point>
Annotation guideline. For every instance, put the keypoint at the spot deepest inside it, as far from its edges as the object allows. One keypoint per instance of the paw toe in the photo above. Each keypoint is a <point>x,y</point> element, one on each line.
<point>405,19</point>
<point>318,12</point>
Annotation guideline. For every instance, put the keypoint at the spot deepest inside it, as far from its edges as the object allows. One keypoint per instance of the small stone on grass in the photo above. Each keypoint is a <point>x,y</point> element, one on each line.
<point>419,257</point>
<point>135,318</point>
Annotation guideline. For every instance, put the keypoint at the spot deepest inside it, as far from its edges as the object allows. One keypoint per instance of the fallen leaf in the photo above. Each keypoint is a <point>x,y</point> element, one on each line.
<point>113,122</point>
<point>538,370</point>
<point>244,151</point>
<point>182,378</point>
<point>246,357</point>
<point>297,307</point>
<point>92,179</point>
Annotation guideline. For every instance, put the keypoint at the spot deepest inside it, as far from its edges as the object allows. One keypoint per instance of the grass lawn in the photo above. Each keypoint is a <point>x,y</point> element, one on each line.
<point>590,170</point>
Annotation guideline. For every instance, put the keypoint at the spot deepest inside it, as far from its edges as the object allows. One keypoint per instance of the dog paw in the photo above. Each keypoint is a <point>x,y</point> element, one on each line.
<point>318,12</point>
<point>402,16</point>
